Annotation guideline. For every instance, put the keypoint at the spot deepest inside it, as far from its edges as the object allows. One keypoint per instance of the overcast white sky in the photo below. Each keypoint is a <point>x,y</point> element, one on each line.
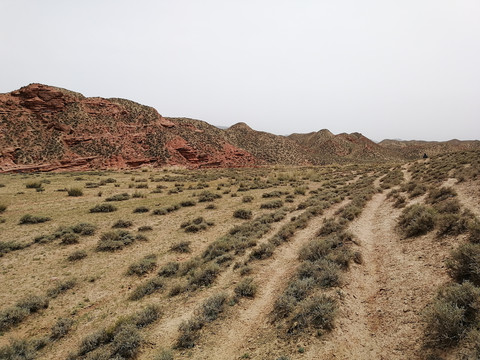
<point>405,69</point>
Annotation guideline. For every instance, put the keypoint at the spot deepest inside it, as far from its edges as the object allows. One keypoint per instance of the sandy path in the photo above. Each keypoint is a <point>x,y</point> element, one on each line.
<point>231,339</point>
<point>384,297</point>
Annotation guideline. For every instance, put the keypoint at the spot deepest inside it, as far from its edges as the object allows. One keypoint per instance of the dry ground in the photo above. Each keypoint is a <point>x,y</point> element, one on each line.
<point>380,301</point>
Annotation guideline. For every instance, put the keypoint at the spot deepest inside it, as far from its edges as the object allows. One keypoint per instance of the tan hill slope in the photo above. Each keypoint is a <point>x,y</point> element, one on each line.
<point>44,127</point>
<point>325,147</point>
<point>413,149</point>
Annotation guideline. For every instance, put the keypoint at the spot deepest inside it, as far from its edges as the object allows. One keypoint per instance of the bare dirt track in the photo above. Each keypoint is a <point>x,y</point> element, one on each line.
<point>384,297</point>
<point>241,335</point>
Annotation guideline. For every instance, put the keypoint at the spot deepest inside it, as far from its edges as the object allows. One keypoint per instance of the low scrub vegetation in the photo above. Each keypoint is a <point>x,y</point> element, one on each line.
<point>143,266</point>
<point>416,220</point>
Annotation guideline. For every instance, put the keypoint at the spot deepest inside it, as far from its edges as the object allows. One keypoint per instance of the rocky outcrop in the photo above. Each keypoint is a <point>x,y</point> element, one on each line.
<point>44,128</point>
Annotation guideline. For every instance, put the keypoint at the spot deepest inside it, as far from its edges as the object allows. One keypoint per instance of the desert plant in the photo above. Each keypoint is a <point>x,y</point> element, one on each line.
<point>75,192</point>
<point>181,247</point>
<point>34,185</point>
<point>205,196</point>
<point>18,312</point>
<point>145,228</point>
<point>451,315</point>
<point>70,238</point>
<point>114,240</point>
<point>61,328</point>
<point>436,195</point>
<point>275,204</point>
<point>242,214</point>
<point>31,219</point>
<point>452,224</point>
<point>246,288</point>
<point>141,209</point>
<point>164,354</point>
<point>77,255</point>
<point>169,269</point>
<point>122,224</point>
<point>264,251</point>
<point>247,198</point>
<point>103,208</point>
<point>464,263</point>
<point>126,342</point>
<point>143,266</point>
<point>213,306</point>
<point>188,203</point>
<point>319,312</point>
<point>3,207</point>
<point>474,229</point>
<point>61,288</point>
<point>205,276</point>
<point>84,229</point>
<point>147,288</point>
<point>118,197</point>
<point>416,220</point>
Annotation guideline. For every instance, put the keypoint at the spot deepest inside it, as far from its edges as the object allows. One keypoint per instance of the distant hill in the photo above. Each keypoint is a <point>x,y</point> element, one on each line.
<point>45,128</point>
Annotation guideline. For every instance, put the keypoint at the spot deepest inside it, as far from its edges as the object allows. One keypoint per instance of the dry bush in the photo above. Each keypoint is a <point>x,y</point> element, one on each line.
<point>246,288</point>
<point>77,255</point>
<point>264,251</point>
<point>61,288</point>
<point>242,214</point>
<point>416,220</point>
<point>181,247</point>
<point>147,288</point>
<point>75,192</point>
<point>452,224</point>
<point>169,269</point>
<point>205,276</point>
<point>275,204</point>
<point>103,208</point>
<point>118,197</point>
<point>143,266</point>
<point>31,219</point>
<point>464,263</point>
<point>18,312</point>
<point>318,312</point>
<point>452,314</point>
<point>114,240</point>
<point>122,224</point>
<point>436,195</point>
<point>61,328</point>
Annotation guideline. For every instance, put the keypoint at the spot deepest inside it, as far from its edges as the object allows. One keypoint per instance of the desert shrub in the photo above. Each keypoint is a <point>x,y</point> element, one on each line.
<point>275,193</point>
<point>84,229</point>
<point>61,288</point>
<point>325,272</point>
<point>204,276</point>
<point>400,201</point>
<point>75,192</point>
<point>284,306</point>
<point>177,289</point>
<point>70,238</point>
<point>141,209</point>
<point>31,219</point>
<point>319,312</point>
<point>147,288</point>
<point>93,341</point>
<point>18,350</point>
<point>3,207</point>
<point>77,255</point>
<point>118,197</point>
<point>474,229</point>
<point>275,204</point>
<point>210,207</point>
<point>143,266</point>
<point>242,214</point>
<point>246,288</point>
<point>61,328</point>
<point>247,198</point>
<point>160,212</point>
<point>145,228</point>
<point>451,315</point>
<point>300,190</point>
<point>181,247</point>
<point>464,263</point>
<point>122,224</point>
<point>126,342</point>
<point>189,266</point>
<point>331,226</point>
<point>7,246</point>
<point>189,333</point>
<point>33,185</point>
<point>138,195</point>
<point>196,225</point>
<point>188,203</point>
<point>416,220</point>
<point>18,312</point>
<point>205,196</point>
<point>350,211</point>
<point>169,269</point>
<point>103,208</point>
<point>146,316</point>
<point>450,206</point>
<point>451,224</point>
<point>300,288</point>
<point>213,306</point>
<point>114,240</point>
<point>264,251</point>
<point>3,220</point>
<point>436,195</point>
